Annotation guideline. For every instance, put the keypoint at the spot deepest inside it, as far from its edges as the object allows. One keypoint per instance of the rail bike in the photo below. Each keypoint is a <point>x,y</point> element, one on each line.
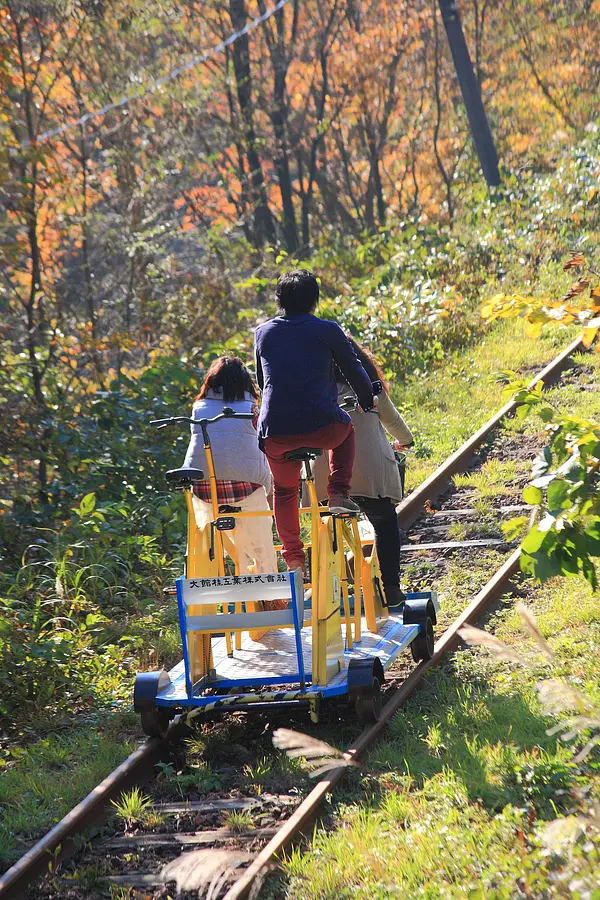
<point>255,640</point>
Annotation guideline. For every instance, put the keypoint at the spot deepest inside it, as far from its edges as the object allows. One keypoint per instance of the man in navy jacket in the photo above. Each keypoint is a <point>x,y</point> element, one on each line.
<point>296,355</point>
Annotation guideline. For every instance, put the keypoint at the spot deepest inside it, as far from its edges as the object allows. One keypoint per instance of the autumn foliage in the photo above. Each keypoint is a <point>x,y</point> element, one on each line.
<point>333,131</point>
<point>542,312</point>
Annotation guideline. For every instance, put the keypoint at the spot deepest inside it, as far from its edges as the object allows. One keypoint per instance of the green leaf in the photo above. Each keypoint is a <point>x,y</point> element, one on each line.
<point>534,540</point>
<point>540,566</point>
<point>572,471</point>
<point>513,527</point>
<point>546,413</point>
<point>542,462</point>
<point>87,505</point>
<point>558,493</point>
<point>569,563</point>
<point>592,546</point>
<point>589,573</point>
<point>593,529</point>
<point>532,495</point>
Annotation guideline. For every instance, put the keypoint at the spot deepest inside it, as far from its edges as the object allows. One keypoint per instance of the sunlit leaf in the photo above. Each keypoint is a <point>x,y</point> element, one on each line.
<point>87,504</point>
<point>532,495</point>
<point>588,336</point>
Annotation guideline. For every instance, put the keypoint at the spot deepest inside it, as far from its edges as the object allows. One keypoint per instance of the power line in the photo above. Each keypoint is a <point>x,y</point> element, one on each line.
<point>158,82</point>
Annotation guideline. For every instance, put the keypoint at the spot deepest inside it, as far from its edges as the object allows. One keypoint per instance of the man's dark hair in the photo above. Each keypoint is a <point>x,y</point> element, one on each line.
<point>297,292</point>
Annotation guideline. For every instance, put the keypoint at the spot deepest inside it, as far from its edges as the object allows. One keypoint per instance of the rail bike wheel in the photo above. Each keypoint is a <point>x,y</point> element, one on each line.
<point>423,645</point>
<point>365,678</point>
<point>155,722</point>
<point>367,705</point>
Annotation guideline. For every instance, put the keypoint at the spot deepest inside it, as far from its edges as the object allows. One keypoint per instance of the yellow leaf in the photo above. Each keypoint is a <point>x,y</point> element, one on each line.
<point>533,329</point>
<point>588,336</point>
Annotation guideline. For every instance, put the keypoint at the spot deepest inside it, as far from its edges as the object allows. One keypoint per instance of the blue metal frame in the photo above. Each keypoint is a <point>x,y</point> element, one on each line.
<point>315,691</point>
<point>297,627</point>
<point>293,677</point>
<point>301,677</point>
<point>186,656</point>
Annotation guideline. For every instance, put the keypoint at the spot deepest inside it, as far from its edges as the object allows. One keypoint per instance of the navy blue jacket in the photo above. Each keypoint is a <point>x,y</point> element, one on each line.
<point>295,366</point>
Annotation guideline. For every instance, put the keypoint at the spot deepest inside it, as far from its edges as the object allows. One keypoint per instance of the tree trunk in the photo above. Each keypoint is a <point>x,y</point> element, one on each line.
<point>87,271</point>
<point>278,114</point>
<point>278,118</point>
<point>264,226</point>
<point>438,121</point>
<point>307,194</point>
<point>244,201</point>
<point>33,308</point>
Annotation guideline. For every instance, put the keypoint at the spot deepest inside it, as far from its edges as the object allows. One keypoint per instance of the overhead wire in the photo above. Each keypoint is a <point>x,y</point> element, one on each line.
<point>157,82</point>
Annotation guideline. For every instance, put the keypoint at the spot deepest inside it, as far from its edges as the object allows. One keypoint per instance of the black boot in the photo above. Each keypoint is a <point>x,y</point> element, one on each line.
<point>394,597</point>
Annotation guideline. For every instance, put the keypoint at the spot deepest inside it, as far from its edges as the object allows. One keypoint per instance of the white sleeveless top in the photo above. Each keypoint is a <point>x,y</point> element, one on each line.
<point>235,450</point>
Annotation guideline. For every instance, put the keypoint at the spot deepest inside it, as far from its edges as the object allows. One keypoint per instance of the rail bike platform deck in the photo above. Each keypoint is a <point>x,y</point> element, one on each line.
<point>270,664</point>
<point>243,651</point>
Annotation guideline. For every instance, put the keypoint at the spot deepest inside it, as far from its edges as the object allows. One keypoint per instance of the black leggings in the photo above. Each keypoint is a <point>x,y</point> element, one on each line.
<point>381,513</point>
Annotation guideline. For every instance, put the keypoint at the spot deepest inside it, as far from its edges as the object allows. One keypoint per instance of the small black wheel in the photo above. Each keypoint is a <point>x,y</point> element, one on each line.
<point>367,705</point>
<point>423,645</point>
<point>155,722</point>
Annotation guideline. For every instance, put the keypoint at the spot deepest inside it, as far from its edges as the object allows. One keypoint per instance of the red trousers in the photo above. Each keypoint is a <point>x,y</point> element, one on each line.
<point>338,438</point>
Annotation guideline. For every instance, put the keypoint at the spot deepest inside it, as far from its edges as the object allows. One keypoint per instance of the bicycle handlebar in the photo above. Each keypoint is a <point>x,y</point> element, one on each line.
<point>227,413</point>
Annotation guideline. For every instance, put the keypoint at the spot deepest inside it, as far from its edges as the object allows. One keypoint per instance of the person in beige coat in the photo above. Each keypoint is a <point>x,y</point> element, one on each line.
<point>376,486</point>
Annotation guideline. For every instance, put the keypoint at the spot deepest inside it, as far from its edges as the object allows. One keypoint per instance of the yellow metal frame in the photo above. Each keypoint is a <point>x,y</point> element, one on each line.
<point>337,560</point>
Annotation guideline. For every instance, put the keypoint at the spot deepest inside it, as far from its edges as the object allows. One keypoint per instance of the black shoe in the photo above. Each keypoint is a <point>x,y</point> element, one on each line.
<point>342,505</point>
<point>395,598</point>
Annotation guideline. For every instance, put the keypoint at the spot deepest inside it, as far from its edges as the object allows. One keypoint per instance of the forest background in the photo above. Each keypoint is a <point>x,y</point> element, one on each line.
<point>138,246</point>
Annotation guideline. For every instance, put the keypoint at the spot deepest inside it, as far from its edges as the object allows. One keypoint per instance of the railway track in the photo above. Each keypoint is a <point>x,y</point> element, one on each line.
<point>221,843</point>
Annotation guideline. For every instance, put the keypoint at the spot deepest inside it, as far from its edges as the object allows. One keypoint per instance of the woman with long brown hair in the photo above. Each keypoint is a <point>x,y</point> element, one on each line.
<point>243,476</point>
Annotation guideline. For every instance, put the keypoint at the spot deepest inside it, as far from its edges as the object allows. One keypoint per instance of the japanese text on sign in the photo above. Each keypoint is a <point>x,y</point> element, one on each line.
<point>233,580</point>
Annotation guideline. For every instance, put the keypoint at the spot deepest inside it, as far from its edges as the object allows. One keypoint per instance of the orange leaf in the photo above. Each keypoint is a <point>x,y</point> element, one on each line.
<point>588,336</point>
<point>576,260</point>
<point>577,288</point>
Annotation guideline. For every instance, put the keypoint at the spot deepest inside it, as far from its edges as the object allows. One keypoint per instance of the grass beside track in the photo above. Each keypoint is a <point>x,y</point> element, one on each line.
<point>446,407</point>
<point>468,780</point>
<point>42,781</point>
<point>37,780</point>
<point>468,795</point>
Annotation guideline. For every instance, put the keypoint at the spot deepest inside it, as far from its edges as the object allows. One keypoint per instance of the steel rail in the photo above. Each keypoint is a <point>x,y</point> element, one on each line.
<point>412,506</point>
<point>134,770</point>
<point>139,766</point>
